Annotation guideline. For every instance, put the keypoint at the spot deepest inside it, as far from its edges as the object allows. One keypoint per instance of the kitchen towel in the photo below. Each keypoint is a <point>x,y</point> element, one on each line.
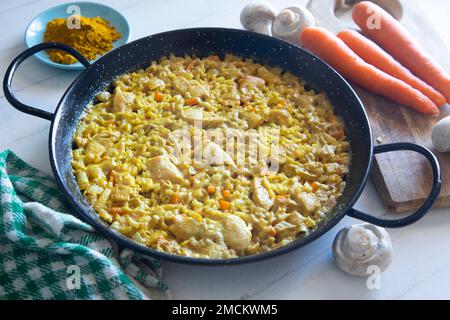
<point>46,252</point>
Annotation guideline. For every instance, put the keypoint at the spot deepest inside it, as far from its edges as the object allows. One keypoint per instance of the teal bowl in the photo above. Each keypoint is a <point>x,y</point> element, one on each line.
<point>35,30</point>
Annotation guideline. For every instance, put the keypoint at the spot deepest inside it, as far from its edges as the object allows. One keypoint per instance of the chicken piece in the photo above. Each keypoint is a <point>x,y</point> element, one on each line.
<point>108,165</point>
<point>282,202</point>
<point>267,75</point>
<point>284,229</point>
<point>184,86</point>
<point>156,83</point>
<point>185,227</point>
<point>260,195</point>
<point>280,116</point>
<point>212,250</point>
<point>181,85</point>
<point>122,100</point>
<point>197,90</point>
<point>307,203</point>
<point>208,120</point>
<point>215,155</point>
<point>296,218</point>
<point>251,81</point>
<point>253,119</point>
<point>82,179</point>
<point>161,168</point>
<point>121,193</point>
<point>303,100</point>
<point>95,172</point>
<point>95,148</point>
<point>236,233</point>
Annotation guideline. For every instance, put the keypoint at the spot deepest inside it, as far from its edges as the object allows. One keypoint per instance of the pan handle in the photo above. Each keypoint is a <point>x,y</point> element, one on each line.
<point>419,213</point>
<point>7,81</point>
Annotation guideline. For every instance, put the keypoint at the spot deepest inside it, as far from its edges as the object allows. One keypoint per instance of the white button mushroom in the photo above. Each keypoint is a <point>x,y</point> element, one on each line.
<point>258,17</point>
<point>440,135</point>
<point>290,22</point>
<point>360,246</point>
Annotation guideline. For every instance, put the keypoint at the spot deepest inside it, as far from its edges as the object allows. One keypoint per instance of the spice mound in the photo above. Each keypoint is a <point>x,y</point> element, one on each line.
<point>94,36</point>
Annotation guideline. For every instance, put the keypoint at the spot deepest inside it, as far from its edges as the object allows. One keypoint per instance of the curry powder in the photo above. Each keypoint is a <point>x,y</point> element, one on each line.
<point>93,37</point>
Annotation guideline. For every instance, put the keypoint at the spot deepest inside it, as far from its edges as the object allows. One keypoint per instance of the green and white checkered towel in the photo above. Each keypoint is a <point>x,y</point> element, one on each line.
<point>48,253</point>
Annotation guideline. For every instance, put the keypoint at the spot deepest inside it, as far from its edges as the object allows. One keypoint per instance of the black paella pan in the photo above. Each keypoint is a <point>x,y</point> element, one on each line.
<point>202,42</point>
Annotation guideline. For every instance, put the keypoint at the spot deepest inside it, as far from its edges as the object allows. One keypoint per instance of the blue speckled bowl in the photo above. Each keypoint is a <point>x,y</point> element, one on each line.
<point>34,33</point>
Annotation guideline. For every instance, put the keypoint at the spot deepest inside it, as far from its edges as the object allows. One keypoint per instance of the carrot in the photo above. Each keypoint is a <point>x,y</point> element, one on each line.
<point>389,34</point>
<point>371,53</point>
<point>315,186</point>
<point>111,177</point>
<point>175,198</point>
<point>192,101</point>
<point>226,193</point>
<point>335,52</point>
<point>159,97</point>
<point>117,210</point>
<point>211,188</point>
<point>224,205</point>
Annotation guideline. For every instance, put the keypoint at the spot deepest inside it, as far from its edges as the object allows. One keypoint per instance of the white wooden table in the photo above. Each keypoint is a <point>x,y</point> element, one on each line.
<point>421,266</point>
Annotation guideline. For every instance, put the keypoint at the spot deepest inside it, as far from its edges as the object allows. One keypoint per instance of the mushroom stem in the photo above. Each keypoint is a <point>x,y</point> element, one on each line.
<point>290,22</point>
<point>261,27</point>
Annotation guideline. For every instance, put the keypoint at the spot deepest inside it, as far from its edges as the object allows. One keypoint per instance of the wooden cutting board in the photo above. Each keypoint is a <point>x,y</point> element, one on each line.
<point>403,178</point>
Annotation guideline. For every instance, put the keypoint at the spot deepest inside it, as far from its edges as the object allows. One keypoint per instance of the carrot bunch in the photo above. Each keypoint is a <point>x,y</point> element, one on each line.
<point>424,87</point>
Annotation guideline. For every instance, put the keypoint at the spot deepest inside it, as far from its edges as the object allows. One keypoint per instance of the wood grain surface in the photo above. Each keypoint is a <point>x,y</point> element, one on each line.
<point>403,178</point>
